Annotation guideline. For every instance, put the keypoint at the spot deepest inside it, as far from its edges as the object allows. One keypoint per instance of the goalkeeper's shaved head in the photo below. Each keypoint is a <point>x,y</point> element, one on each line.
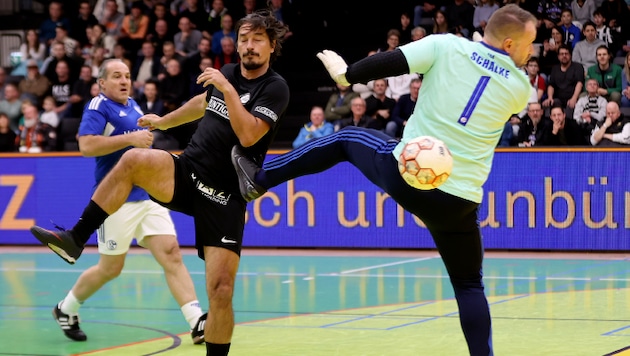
<point>512,30</point>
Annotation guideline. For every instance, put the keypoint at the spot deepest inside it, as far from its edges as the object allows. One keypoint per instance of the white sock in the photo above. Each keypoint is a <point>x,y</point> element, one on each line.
<point>70,305</point>
<point>192,311</point>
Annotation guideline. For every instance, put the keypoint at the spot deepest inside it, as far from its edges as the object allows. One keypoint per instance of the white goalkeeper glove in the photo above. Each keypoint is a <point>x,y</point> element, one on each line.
<point>335,65</point>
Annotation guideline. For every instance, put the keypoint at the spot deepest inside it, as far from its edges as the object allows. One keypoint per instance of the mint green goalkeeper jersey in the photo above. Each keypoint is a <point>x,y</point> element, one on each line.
<point>468,93</point>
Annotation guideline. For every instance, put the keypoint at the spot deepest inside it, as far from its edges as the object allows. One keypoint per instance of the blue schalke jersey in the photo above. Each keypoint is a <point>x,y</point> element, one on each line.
<point>103,116</point>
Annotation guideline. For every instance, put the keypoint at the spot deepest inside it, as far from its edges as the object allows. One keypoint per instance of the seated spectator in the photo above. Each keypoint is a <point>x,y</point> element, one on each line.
<point>11,105</point>
<point>35,136</point>
<point>168,53</point>
<point>160,13</point>
<point>57,54</point>
<point>71,46</point>
<point>173,87</point>
<point>112,18</point>
<point>418,33</point>
<point>191,63</point>
<point>534,130</point>
<point>585,51</point>
<point>196,89</point>
<point>121,53</point>
<point>357,115</point>
<point>101,10</point>
<point>318,127</point>
<point>404,27</point>
<point>32,48</point>
<point>146,67</point>
<point>101,39</point>
<point>80,94</point>
<point>614,131</point>
<point>379,107</point>
<point>7,136</point>
<point>399,85</point>
<point>560,134</point>
<point>133,30</point>
<point>196,12</point>
<point>227,30</point>
<point>610,37</point>
<point>49,115</point>
<point>589,110</point>
<point>510,131</point>
<point>95,89</point>
<point>214,18</point>
<point>483,11</point>
<point>549,51</point>
<point>61,89</point>
<point>84,19</point>
<point>582,10</point>
<point>393,41</point>
<point>47,28</point>
<point>459,14</point>
<point>625,83</point>
<point>159,36</point>
<point>607,74</point>
<point>228,53</point>
<point>187,39</point>
<point>338,105</point>
<point>535,79</point>
<point>34,85</point>
<point>440,23</point>
<point>565,81</point>
<point>150,101</point>
<point>551,10</point>
<point>404,107</point>
<point>572,33</point>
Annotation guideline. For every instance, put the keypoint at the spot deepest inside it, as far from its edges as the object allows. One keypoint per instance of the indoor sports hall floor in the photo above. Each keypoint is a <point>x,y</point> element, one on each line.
<point>290,302</point>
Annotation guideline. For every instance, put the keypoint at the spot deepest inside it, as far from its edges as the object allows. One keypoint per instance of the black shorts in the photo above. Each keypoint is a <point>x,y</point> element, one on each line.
<point>219,216</point>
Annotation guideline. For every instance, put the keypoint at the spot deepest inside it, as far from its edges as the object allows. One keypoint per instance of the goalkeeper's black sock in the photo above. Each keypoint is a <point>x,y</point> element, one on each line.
<point>261,179</point>
<point>92,217</point>
<point>217,349</point>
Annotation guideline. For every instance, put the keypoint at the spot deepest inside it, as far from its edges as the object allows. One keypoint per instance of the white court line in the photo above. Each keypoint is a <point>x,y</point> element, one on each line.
<point>307,277</point>
<point>386,265</point>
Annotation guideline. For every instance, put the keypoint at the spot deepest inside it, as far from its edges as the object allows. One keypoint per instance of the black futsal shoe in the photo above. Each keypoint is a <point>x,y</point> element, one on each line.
<point>246,171</point>
<point>197,332</point>
<point>69,324</point>
<point>61,242</point>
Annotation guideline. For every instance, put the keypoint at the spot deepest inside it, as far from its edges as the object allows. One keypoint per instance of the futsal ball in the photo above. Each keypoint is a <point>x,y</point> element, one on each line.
<point>425,163</point>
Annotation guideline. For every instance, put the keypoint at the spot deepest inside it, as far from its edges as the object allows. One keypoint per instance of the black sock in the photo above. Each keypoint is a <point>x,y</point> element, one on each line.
<point>92,217</point>
<point>217,349</point>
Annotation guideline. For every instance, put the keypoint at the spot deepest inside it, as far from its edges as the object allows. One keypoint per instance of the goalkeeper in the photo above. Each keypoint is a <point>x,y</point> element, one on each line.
<point>469,91</point>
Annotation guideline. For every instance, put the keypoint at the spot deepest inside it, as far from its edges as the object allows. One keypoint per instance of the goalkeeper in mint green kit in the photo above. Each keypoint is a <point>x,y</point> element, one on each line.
<point>470,89</point>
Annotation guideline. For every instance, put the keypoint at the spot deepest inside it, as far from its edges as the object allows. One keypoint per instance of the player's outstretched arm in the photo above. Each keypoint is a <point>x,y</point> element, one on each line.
<point>192,110</point>
<point>379,65</point>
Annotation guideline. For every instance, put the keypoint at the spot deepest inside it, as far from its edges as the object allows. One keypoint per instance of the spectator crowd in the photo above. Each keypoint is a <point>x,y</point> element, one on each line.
<point>579,72</point>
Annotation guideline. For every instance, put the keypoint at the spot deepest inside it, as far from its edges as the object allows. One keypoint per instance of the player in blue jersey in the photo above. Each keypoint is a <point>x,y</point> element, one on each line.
<point>109,127</point>
<point>243,105</point>
<point>469,91</point>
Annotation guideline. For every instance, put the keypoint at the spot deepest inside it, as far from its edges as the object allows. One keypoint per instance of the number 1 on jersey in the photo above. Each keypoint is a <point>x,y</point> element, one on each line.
<point>474,99</point>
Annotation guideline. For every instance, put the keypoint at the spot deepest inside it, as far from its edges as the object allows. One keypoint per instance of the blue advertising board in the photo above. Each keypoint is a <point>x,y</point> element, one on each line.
<point>533,200</point>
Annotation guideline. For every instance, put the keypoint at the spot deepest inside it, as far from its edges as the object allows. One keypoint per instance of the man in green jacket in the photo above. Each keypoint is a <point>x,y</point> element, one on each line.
<point>607,74</point>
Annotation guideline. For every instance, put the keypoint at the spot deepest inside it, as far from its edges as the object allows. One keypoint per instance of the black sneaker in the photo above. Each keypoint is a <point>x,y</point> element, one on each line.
<point>69,324</point>
<point>61,242</point>
<point>197,332</point>
<point>246,171</point>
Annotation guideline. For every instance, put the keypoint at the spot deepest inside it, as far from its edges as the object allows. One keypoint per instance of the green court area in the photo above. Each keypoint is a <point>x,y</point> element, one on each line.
<point>342,303</point>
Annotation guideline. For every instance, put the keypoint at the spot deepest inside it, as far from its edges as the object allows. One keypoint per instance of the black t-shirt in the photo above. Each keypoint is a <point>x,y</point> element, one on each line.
<point>209,150</point>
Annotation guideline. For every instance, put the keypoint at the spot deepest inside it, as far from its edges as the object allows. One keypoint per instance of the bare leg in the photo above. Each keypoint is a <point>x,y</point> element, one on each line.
<point>95,277</point>
<point>221,268</point>
<point>152,170</point>
<point>166,252</point>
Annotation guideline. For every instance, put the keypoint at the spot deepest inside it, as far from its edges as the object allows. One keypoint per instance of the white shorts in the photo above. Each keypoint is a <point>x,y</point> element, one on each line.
<point>135,219</point>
